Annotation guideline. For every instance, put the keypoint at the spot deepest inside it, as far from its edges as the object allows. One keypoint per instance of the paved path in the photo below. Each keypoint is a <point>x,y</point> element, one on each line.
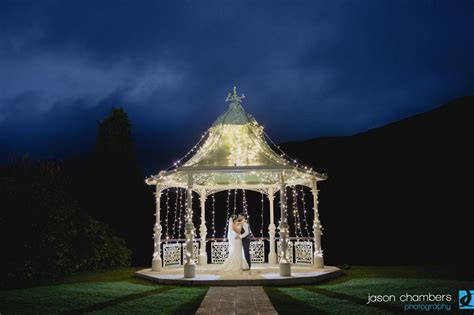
<point>236,300</point>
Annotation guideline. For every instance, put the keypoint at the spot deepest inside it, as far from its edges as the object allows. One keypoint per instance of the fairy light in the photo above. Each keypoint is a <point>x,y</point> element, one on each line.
<point>304,211</point>
<point>196,147</point>
<point>228,214</point>
<point>292,214</point>
<point>286,157</point>
<point>235,201</point>
<point>244,204</point>
<point>296,214</point>
<point>167,214</point>
<point>173,230</point>
<point>213,216</point>
<point>286,209</point>
<point>181,213</point>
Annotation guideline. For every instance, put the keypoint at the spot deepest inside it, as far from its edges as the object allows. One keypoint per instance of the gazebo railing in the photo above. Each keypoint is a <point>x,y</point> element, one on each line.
<point>300,250</point>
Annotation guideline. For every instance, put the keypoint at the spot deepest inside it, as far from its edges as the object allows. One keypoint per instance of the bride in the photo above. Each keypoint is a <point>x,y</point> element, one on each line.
<point>236,261</point>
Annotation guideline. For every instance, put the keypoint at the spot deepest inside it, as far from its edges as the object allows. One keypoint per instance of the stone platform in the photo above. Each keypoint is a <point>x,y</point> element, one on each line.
<point>261,274</point>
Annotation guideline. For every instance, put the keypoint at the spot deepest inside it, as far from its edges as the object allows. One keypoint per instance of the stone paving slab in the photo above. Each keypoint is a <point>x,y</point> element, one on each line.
<point>236,300</point>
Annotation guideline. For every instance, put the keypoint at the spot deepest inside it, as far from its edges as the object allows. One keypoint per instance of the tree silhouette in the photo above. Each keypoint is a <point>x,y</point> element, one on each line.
<point>45,232</point>
<point>110,185</point>
<point>114,138</point>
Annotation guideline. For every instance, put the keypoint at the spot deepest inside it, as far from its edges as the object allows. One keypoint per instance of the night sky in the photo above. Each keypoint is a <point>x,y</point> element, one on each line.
<point>308,68</point>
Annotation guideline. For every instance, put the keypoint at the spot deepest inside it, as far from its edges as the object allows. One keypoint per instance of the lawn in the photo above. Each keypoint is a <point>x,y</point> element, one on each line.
<point>102,292</point>
<point>348,294</point>
<point>118,292</point>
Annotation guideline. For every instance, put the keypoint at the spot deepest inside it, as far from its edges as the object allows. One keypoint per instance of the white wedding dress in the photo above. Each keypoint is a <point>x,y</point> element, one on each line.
<point>236,261</point>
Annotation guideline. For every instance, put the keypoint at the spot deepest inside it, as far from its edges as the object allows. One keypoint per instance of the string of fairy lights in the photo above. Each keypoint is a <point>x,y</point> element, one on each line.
<point>294,213</point>
<point>167,213</point>
<point>213,216</point>
<point>304,211</point>
<point>244,204</point>
<point>196,147</point>
<point>235,201</point>
<point>228,215</point>
<point>297,215</point>
<point>175,216</point>
<point>180,214</point>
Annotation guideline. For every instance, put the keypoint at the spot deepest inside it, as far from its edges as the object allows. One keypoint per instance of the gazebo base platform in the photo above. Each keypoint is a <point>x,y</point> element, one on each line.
<point>261,274</point>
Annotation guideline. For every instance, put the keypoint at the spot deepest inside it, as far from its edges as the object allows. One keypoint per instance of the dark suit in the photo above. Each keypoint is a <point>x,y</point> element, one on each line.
<point>246,245</point>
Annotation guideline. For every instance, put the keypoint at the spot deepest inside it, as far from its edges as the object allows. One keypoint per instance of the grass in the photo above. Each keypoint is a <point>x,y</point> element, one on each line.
<point>116,291</point>
<point>113,291</point>
<point>348,294</point>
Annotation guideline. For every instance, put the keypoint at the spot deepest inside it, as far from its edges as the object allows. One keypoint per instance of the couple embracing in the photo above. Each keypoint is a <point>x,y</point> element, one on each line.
<point>239,236</point>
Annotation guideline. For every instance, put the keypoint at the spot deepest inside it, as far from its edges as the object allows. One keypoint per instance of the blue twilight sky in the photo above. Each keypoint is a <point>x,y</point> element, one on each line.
<point>308,68</point>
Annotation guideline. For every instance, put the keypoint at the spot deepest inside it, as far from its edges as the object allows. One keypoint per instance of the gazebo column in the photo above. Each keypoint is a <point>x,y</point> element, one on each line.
<point>317,230</point>
<point>157,263</point>
<point>189,266</point>
<point>272,257</point>
<point>285,264</point>
<point>203,229</point>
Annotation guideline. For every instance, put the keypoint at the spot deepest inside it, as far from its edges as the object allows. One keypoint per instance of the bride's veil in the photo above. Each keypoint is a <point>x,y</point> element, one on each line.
<point>230,236</point>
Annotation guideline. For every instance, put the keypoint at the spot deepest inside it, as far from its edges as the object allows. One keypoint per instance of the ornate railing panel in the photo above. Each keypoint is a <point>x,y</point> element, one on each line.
<point>219,252</point>
<point>304,252</point>
<point>299,252</point>
<point>171,254</point>
<point>257,251</point>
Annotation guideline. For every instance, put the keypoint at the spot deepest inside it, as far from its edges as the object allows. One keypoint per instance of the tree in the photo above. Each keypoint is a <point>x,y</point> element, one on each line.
<point>114,138</point>
<point>45,232</point>
<point>110,185</point>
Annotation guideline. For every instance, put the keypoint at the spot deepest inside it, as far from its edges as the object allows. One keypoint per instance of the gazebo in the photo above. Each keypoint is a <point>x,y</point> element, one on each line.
<point>234,154</point>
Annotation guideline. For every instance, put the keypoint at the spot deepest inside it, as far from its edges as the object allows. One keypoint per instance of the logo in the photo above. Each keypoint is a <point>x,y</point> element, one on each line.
<point>466,302</point>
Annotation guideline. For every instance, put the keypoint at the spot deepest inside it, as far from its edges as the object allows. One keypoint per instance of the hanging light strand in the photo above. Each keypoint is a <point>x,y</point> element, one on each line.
<point>286,210</point>
<point>214,216</point>
<point>175,210</point>
<point>177,223</point>
<point>292,213</point>
<point>228,214</point>
<point>244,204</point>
<point>288,158</point>
<point>182,214</point>
<point>196,147</point>
<point>304,211</point>
<point>235,201</point>
<point>299,232</point>
<point>167,214</point>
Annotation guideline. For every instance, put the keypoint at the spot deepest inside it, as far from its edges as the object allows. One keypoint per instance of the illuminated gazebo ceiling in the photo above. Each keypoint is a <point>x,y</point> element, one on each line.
<point>234,153</point>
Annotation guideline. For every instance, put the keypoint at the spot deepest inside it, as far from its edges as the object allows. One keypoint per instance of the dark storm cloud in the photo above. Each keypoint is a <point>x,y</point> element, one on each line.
<point>308,68</point>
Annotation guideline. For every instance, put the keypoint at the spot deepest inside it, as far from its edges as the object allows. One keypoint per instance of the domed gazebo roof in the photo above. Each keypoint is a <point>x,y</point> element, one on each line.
<point>234,152</point>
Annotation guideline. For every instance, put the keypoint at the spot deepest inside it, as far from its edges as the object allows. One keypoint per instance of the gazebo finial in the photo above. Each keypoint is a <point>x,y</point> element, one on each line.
<point>234,99</point>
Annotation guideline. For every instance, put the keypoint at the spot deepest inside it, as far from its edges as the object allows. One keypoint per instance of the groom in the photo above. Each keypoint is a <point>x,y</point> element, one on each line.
<point>246,236</point>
